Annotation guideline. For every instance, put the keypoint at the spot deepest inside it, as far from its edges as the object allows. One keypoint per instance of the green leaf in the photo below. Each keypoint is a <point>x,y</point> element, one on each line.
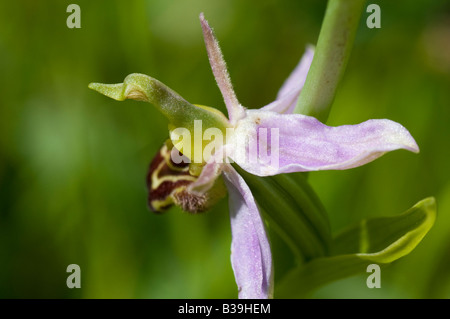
<point>294,211</point>
<point>378,240</point>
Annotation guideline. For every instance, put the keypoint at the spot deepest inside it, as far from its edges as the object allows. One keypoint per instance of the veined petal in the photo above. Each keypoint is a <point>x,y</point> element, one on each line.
<point>302,143</point>
<point>251,258</point>
<point>289,92</point>
<point>219,68</point>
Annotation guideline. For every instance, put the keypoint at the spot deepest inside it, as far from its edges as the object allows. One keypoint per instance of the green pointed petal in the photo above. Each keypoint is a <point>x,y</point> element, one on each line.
<point>179,112</point>
<point>382,240</point>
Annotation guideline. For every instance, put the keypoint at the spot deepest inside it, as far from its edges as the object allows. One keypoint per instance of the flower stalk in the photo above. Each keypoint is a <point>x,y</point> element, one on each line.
<point>330,59</point>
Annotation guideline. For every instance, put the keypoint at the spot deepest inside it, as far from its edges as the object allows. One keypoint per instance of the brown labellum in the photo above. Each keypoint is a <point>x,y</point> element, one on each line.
<point>168,182</point>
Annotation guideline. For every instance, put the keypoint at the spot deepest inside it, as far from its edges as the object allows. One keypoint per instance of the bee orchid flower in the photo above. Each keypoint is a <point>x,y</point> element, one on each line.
<point>297,142</point>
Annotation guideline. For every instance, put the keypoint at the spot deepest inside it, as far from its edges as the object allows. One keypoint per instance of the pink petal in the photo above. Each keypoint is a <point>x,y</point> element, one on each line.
<point>251,258</point>
<point>305,144</point>
<point>219,68</point>
<point>289,92</point>
<point>208,176</point>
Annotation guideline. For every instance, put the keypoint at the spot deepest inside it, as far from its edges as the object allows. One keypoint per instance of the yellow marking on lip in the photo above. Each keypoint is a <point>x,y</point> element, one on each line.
<point>159,205</point>
<point>157,181</point>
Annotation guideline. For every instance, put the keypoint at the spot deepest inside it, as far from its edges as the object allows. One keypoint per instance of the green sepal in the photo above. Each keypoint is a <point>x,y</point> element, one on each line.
<point>383,241</point>
<point>179,112</point>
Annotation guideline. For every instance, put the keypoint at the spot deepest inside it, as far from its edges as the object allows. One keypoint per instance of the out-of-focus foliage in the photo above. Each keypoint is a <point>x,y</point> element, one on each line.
<point>73,163</point>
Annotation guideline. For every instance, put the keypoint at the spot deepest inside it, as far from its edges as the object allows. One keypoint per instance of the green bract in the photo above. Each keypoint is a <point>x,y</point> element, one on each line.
<point>378,240</point>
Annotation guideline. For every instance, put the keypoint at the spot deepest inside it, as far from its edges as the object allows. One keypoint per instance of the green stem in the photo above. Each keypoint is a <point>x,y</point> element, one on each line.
<point>330,59</point>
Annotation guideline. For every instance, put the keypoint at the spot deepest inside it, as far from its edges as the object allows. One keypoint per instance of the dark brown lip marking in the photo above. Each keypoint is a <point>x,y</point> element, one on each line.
<point>167,182</point>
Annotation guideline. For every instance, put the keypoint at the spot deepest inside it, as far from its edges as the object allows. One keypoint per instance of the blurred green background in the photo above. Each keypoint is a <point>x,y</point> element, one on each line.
<point>73,163</point>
